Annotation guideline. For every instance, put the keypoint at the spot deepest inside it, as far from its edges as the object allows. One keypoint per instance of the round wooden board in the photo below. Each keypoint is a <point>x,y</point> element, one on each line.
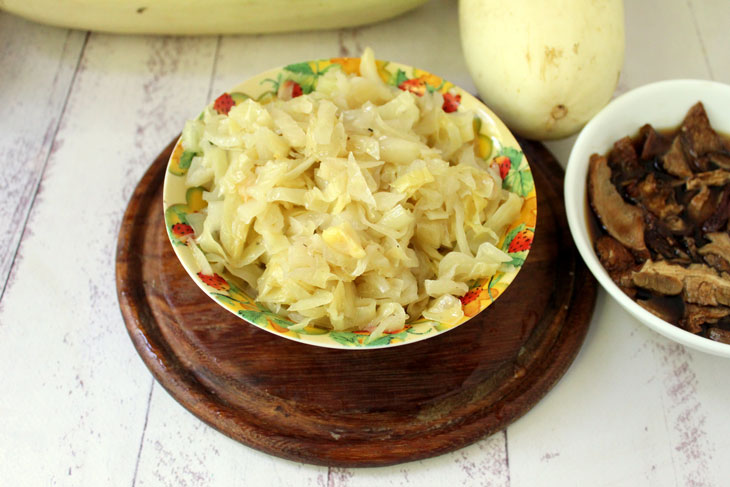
<point>362,407</point>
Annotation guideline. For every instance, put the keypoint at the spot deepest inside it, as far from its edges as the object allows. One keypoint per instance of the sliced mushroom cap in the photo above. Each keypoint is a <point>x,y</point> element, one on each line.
<point>720,159</point>
<point>658,197</point>
<point>703,285</point>
<point>623,158</point>
<point>719,218</point>
<point>717,252</point>
<point>660,240</point>
<point>718,177</point>
<point>623,221</point>
<point>674,161</point>
<point>613,255</point>
<point>698,283</point>
<point>719,335</point>
<point>695,316</point>
<point>701,206</point>
<point>655,144</point>
<point>698,136</point>
<point>661,277</point>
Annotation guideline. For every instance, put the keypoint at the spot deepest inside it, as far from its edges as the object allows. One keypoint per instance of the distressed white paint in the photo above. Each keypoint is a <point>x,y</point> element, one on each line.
<point>179,450</point>
<point>482,463</point>
<point>75,392</point>
<point>606,411</point>
<point>38,64</point>
<point>78,406</point>
<point>711,19</point>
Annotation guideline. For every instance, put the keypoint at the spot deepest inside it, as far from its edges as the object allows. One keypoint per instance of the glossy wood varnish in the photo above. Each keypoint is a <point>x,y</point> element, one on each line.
<point>356,407</point>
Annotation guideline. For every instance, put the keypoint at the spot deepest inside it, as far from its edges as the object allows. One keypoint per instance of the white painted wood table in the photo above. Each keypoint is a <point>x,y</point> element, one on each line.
<point>82,115</point>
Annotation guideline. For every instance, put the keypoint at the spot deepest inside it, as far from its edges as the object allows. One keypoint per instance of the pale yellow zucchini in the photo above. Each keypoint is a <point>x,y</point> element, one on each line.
<point>191,17</point>
<point>544,66</point>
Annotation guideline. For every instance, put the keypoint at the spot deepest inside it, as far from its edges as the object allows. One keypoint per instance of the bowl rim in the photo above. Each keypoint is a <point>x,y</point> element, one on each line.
<point>576,201</point>
<point>500,132</point>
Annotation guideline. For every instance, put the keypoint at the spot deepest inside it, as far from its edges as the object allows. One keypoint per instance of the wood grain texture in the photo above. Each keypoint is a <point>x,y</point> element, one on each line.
<point>711,19</point>
<point>33,98</point>
<point>82,389</point>
<point>355,408</point>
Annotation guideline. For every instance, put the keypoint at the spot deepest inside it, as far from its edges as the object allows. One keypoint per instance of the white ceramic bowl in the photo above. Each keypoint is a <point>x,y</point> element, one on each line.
<point>663,105</point>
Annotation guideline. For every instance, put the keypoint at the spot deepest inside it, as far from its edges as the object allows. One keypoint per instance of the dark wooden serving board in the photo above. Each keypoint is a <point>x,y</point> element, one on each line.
<point>361,407</point>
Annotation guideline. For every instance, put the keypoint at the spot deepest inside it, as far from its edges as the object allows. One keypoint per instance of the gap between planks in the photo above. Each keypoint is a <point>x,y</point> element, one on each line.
<point>214,68</point>
<point>700,38</point>
<point>46,158</point>
<point>144,430</point>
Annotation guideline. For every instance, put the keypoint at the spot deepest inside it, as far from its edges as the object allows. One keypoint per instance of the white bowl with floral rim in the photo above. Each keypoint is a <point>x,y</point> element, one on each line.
<point>494,143</point>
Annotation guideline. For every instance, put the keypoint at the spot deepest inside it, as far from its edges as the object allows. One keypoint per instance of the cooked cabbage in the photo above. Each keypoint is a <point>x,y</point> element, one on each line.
<point>356,206</point>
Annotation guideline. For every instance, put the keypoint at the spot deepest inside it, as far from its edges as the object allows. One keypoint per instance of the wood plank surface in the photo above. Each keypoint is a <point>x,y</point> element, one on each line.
<point>38,65</point>
<point>80,399</point>
<point>711,19</point>
<point>84,404</point>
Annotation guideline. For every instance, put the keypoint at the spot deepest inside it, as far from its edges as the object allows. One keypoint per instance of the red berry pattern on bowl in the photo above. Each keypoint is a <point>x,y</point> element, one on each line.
<point>215,281</point>
<point>504,165</point>
<point>224,103</point>
<point>521,242</point>
<point>451,102</point>
<point>289,89</point>
<point>182,230</point>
